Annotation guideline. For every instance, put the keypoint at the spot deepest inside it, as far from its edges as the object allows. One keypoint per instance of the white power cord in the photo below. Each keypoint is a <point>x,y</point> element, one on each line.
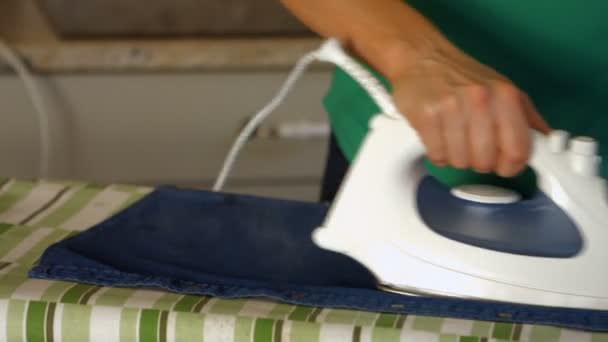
<point>257,119</point>
<point>33,93</point>
<point>332,52</point>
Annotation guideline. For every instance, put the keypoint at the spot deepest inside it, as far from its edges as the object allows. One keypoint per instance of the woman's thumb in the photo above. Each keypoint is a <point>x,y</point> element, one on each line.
<point>535,120</point>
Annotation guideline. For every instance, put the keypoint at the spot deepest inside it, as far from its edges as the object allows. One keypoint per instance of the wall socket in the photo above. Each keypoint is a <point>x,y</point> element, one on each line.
<point>300,130</point>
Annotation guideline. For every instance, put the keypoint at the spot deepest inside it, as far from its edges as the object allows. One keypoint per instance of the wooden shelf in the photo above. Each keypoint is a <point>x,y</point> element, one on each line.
<point>26,30</point>
<point>164,55</point>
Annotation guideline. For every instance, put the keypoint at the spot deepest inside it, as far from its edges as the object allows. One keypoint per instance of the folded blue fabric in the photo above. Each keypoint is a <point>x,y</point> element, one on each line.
<point>225,245</point>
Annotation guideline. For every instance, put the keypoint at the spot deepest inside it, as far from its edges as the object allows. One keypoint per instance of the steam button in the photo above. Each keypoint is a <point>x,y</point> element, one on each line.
<point>583,145</point>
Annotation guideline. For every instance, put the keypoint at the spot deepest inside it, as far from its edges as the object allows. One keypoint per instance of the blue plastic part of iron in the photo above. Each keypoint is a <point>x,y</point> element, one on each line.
<point>534,226</point>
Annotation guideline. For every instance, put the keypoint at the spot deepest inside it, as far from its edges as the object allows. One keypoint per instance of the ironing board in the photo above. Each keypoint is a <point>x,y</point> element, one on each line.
<point>35,214</point>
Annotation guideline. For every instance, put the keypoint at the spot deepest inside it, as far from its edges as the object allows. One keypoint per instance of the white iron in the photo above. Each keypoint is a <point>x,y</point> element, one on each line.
<point>376,219</point>
<point>418,237</point>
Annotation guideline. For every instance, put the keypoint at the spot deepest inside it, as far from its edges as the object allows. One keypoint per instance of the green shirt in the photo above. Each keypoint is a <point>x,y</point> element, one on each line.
<point>555,51</point>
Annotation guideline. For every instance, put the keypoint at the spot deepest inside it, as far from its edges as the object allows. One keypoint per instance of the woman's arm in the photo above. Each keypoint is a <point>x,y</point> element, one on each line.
<point>387,34</point>
<point>467,114</point>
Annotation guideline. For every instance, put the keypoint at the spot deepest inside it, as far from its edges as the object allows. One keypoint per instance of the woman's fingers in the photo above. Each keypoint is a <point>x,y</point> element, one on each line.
<point>481,147</point>
<point>429,127</point>
<point>468,122</point>
<point>513,132</point>
<point>455,132</point>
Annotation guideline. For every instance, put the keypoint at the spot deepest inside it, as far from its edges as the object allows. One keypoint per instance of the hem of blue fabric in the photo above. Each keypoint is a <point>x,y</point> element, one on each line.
<point>324,297</point>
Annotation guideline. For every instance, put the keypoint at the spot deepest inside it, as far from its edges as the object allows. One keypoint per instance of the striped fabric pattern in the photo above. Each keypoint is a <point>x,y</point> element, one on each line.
<point>34,214</point>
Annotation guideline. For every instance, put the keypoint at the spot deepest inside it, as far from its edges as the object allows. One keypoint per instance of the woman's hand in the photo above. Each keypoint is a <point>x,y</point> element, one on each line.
<point>467,115</point>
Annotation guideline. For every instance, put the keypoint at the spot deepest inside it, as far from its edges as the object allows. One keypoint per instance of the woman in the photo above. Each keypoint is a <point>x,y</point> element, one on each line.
<point>471,76</point>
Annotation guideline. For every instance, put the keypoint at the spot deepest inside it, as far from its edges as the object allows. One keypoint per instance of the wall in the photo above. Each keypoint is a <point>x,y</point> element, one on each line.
<point>164,128</point>
<point>167,118</point>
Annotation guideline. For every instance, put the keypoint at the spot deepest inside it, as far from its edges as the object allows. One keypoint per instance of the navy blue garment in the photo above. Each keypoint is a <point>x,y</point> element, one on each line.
<point>225,245</point>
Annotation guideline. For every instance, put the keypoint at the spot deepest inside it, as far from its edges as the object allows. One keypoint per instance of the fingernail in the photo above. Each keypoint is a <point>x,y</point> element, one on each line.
<point>482,170</point>
<point>437,162</point>
<point>504,174</point>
